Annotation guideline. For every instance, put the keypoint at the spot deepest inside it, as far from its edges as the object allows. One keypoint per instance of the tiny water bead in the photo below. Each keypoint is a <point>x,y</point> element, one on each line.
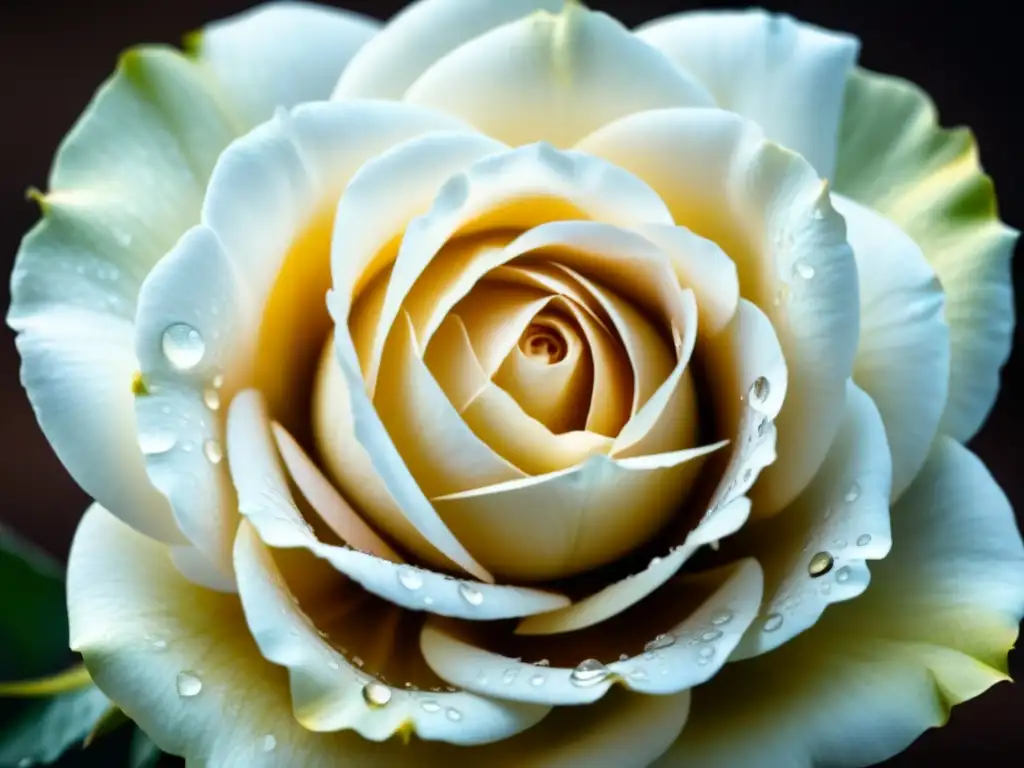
<point>843,574</point>
<point>760,390</point>
<point>376,695</point>
<point>430,706</point>
<point>721,618</point>
<point>821,563</point>
<point>538,680</point>
<point>213,452</point>
<point>357,662</point>
<point>543,663</point>
<point>188,685</point>
<point>803,270</point>
<point>509,676</point>
<point>453,714</point>
<point>269,743</point>
<point>589,672</point>
<point>772,622</point>
<point>863,540</point>
<point>183,346</point>
<point>212,398</point>
<point>410,578</point>
<point>852,493</point>
<point>218,379</point>
<point>471,594</point>
<point>710,636</point>
<point>660,643</point>
<point>154,443</point>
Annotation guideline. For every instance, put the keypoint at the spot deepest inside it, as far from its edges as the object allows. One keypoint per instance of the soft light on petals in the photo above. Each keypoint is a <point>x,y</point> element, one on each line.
<point>418,36</point>
<point>266,502</point>
<point>279,54</point>
<point>815,553</point>
<point>770,212</point>
<point>785,75</point>
<point>554,77</point>
<point>895,159</point>
<point>932,631</point>
<point>331,693</point>
<point>903,355</point>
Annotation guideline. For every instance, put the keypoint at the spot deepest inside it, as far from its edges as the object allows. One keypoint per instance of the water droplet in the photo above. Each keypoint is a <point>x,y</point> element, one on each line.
<point>760,390</point>
<point>509,676</point>
<point>706,652</point>
<point>852,493</point>
<point>820,564</point>
<point>410,578</point>
<point>451,689</point>
<point>538,680</point>
<point>721,618</point>
<point>471,594</point>
<point>772,622</point>
<point>218,379</point>
<point>212,398</point>
<point>160,645</point>
<point>638,674</point>
<point>762,427</point>
<point>543,663</point>
<point>655,562</point>
<point>843,574</point>
<point>213,452</point>
<point>839,543</point>
<point>623,657</point>
<point>453,714</point>
<point>589,672</point>
<point>376,695</point>
<point>864,539</point>
<point>269,743</point>
<point>711,635</point>
<point>430,706</point>
<point>188,446</point>
<point>183,346</point>
<point>817,214</point>
<point>802,269</point>
<point>747,474</point>
<point>188,685</point>
<point>660,643</point>
<point>358,662</point>
<point>153,443</point>
<point>333,664</point>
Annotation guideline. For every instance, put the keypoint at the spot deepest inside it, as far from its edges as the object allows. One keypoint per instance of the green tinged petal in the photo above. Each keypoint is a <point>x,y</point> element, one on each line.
<point>895,158</point>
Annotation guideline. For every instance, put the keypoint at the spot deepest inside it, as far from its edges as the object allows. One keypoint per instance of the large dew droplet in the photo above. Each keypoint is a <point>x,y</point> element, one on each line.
<point>864,539</point>
<point>471,594</point>
<point>772,622</point>
<point>589,672</point>
<point>188,685</point>
<point>843,574</point>
<point>760,390</point>
<point>852,493</point>
<point>820,564</point>
<point>430,706</point>
<point>376,695</point>
<point>183,346</point>
<point>213,452</point>
<point>154,443</point>
<point>212,398</point>
<point>410,578</point>
<point>721,618</point>
<point>453,714</point>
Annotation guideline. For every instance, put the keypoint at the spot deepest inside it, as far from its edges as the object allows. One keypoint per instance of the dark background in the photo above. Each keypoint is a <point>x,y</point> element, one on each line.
<point>966,54</point>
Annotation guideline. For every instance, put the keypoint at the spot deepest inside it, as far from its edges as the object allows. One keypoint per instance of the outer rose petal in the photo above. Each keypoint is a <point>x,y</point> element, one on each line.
<point>894,158</point>
<point>280,54</point>
<point>154,125</point>
<point>786,76</point>
<point>554,78</point>
<point>874,673</point>
<point>421,34</point>
<point>139,624</point>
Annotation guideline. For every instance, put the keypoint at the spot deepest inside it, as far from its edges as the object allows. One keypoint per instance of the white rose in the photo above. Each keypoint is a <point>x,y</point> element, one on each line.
<point>582,286</point>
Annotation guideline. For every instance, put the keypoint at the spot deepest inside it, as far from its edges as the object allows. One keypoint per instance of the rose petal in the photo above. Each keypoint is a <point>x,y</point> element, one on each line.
<point>554,77</point>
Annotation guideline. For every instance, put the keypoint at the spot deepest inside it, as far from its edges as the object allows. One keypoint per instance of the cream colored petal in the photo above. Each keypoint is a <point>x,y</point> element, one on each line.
<point>699,620</point>
<point>418,36</point>
<point>177,658</point>
<point>933,631</point>
<point>328,503</point>
<point>815,553</point>
<point>517,189</point>
<point>554,77</point>
<point>190,329</point>
<point>903,356</point>
<point>770,212</point>
<point>266,502</point>
<point>279,54</point>
<point>155,124</point>
<point>330,692</point>
<point>896,159</point>
<point>704,268</point>
<point>566,522</point>
<point>495,417</point>
<point>785,75</point>
<point>621,595</point>
<point>441,451</point>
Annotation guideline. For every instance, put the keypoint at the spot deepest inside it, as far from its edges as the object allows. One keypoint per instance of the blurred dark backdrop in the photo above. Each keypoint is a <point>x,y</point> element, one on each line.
<point>965,53</point>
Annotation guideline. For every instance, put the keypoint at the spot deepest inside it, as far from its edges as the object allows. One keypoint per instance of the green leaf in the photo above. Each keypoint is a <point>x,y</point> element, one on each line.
<point>33,614</point>
<point>44,729</point>
<point>143,752</point>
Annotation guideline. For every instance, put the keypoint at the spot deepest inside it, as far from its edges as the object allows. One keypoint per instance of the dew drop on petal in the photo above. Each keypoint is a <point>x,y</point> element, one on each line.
<point>772,622</point>
<point>269,743</point>
<point>453,714</point>
<point>154,443</point>
<point>721,618</point>
<point>660,643</point>
<point>410,578</point>
<point>376,695</point>
<point>864,539</point>
<point>543,663</point>
<point>183,346</point>
<point>357,662</point>
<point>589,672</point>
<point>218,379</point>
<point>213,452</point>
<point>711,635</point>
<point>623,657</point>
<point>760,390</point>
<point>430,706</point>
<point>509,676</point>
<point>843,574</point>
<point>333,664</point>
<point>638,674</point>
<point>820,564</point>
<point>852,493</point>
<point>538,680</point>
<point>471,594</point>
<point>188,685</point>
<point>803,270</point>
<point>212,398</point>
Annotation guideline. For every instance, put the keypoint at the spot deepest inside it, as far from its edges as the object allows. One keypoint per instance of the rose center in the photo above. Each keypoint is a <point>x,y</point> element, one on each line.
<point>543,344</point>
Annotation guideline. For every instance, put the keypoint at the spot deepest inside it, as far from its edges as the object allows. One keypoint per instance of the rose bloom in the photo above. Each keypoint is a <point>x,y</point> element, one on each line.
<point>501,386</point>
